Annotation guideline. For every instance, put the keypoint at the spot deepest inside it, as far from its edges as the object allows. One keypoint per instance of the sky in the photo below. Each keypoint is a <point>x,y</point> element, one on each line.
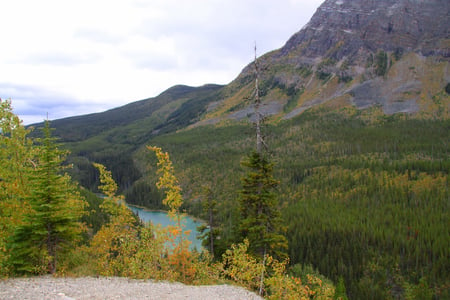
<point>71,57</point>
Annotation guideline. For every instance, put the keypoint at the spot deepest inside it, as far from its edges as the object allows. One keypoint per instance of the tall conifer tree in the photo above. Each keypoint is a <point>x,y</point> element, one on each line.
<point>52,226</point>
<point>261,221</point>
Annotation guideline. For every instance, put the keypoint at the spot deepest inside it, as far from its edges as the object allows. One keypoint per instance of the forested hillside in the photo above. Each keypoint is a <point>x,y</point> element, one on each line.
<point>364,195</point>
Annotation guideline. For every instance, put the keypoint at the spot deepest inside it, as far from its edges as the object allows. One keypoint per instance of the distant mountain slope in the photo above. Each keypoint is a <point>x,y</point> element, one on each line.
<point>158,112</point>
<point>367,25</point>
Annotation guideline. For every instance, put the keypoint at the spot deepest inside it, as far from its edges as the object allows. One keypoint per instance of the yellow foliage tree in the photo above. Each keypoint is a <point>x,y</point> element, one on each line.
<point>181,257</point>
<point>111,246</point>
<point>168,182</point>
<point>17,160</point>
<point>121,248</point>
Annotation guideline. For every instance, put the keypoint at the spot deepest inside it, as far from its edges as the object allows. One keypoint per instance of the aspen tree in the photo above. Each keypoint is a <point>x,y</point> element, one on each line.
<point>17,159</point>
<point>109,245</point>
<point>173,199</point>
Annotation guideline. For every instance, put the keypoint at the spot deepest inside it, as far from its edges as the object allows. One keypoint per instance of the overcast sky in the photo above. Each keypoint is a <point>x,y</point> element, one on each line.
<point>72,57</point>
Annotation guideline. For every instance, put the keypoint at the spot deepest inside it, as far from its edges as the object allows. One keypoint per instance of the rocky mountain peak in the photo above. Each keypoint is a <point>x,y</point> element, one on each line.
<point>389,25</point>
<point>391,53</point>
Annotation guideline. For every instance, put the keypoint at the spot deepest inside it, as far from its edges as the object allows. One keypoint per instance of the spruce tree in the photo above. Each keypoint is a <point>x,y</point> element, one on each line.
<point>260,218</point>
<point>52,226</point>
<point>261,221</point>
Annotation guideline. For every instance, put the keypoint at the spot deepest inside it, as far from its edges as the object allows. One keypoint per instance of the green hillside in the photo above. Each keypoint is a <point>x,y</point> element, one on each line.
<point>112,136</point>
<point>363,197</point>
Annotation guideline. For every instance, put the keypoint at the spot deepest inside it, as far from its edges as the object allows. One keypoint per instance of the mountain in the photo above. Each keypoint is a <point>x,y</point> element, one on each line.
<point>112,136</point>
<point>176,107</point>
<point>368,26</point>
<point>357,122</point>
<point>388,53</point>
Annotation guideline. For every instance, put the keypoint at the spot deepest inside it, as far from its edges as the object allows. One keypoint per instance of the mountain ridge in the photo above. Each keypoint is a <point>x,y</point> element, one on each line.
<point>154,109</point>
<point>390,53</point>
<point>384,52</point>
<point>412,25</point>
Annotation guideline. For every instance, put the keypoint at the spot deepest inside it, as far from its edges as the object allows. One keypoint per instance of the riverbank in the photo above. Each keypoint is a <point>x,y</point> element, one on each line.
<point>49,288</point>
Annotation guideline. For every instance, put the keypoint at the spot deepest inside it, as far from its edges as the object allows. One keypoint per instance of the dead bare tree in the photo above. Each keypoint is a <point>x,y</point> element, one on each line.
<point>258,114</point>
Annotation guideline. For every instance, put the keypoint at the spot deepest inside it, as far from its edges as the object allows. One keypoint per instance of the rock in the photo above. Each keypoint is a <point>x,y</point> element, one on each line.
<point>392,53</point>
<point>372,25</point>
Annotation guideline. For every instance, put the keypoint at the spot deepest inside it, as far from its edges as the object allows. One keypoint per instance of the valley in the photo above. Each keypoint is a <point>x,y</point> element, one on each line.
<point>357,125</point>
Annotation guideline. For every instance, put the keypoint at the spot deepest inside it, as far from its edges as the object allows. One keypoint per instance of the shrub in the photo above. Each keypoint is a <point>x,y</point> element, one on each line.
<point>269,276</point>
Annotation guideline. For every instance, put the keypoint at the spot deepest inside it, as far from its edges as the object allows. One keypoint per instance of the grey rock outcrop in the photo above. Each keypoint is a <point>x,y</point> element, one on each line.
<point>389,25</point>
<point>392,53</point>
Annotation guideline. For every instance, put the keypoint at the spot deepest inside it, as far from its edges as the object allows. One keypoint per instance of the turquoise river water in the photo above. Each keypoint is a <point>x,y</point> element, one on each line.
<point>161,217</point>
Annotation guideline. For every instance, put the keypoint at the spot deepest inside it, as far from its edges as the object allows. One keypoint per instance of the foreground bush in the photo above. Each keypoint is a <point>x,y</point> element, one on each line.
<point>269,276</point>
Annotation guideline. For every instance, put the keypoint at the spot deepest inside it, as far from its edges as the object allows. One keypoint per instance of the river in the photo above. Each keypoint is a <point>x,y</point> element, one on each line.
<point>161,217</point>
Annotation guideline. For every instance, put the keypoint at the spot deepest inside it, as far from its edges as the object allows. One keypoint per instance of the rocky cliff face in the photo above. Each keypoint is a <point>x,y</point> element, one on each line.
<point>372,25</point>
<point>392,53</point>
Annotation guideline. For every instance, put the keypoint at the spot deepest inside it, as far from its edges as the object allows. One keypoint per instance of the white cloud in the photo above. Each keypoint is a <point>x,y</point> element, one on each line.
<point>90,55</point>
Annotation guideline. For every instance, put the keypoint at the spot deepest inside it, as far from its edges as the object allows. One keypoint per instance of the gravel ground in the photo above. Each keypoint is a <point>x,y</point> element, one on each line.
<point>50,288</point>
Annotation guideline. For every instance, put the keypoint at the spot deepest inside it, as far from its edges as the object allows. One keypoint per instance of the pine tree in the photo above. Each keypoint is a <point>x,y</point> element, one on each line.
<point>261,221</point>
<point>52,226</point>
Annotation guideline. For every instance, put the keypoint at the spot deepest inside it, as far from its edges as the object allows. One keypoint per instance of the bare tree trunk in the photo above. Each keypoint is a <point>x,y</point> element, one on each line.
<point>259,139</point>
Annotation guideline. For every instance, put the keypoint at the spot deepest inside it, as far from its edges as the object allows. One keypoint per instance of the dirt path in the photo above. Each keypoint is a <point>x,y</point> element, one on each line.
<point>50,288</point>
